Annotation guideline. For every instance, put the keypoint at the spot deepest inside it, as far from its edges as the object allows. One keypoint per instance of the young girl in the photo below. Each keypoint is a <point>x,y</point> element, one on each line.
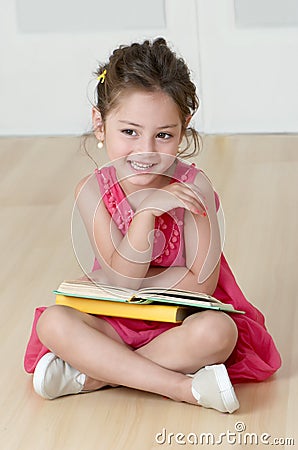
<point>152,221</point>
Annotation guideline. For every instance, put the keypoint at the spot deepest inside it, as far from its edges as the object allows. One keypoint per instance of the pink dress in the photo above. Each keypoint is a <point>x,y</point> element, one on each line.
<point>255,356</point>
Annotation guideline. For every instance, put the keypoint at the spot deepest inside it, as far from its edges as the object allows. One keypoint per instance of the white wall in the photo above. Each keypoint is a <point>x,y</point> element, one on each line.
<point>44,76</point>
<point>246,76</point>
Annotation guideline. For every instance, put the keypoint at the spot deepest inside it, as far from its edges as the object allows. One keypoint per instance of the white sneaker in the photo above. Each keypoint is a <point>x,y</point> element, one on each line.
<point>54,378</point>
<point>212,388</point>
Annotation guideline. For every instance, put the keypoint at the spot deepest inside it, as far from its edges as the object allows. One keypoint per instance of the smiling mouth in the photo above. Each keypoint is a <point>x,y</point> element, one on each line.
<point>140,166</point>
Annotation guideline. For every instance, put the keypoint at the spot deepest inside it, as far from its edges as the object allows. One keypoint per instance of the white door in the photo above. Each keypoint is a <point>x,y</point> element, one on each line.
<point>249,65</point>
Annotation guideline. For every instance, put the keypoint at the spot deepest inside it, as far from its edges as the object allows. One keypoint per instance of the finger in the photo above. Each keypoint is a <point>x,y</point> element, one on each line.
<point>192,203</point>
<point>189,196</point>
<point>195,190</point>
<point>191,190</point>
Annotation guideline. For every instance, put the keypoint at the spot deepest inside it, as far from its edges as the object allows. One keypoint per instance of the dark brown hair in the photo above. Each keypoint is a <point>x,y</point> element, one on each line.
<point>149,66</point>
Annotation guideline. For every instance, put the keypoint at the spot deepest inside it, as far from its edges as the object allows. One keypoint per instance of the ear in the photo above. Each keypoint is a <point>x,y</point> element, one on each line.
<point>187,120</point>
<point>98,124</point>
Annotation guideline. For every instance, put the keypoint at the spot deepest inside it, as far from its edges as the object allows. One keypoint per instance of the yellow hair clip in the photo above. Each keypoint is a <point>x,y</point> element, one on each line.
<point>102,76</point>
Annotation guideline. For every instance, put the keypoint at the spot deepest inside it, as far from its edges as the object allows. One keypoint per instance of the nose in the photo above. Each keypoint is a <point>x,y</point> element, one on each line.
<point>146,145</point>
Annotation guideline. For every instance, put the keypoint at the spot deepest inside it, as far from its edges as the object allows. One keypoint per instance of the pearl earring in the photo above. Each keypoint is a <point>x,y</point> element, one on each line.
<point>100,145</point>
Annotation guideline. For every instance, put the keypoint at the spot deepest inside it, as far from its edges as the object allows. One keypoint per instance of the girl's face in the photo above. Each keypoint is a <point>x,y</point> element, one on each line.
<point>142,134</point>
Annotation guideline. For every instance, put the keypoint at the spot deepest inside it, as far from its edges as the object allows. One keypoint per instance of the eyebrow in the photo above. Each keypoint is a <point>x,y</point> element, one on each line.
<point>173,125</point>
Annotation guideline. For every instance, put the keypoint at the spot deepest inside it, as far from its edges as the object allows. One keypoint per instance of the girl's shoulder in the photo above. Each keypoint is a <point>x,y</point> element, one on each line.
<point>89,184</point>
<point>81,184</point>
<point>99,182</point>
<point>106,175</point>
<point>95,179</point>
<point>188,172</point>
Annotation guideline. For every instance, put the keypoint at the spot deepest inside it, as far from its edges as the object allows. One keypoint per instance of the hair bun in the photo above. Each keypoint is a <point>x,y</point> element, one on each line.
<point>159,41</point>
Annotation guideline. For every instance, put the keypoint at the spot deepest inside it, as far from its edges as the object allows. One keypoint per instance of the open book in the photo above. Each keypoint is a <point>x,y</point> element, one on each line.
<point>87,289</point>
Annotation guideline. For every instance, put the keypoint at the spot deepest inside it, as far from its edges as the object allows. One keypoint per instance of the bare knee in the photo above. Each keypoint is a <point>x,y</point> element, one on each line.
<point>52,323</point>
<point>214,330</point>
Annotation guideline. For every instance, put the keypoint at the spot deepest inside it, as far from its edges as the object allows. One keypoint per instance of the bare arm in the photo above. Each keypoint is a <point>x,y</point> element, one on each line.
<point>208,232</point>
<point>125,260</point>
<point>196,253</point>
<point>202,248</point>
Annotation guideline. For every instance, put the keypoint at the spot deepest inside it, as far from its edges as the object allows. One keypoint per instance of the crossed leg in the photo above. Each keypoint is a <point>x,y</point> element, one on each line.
<point>92,346</point>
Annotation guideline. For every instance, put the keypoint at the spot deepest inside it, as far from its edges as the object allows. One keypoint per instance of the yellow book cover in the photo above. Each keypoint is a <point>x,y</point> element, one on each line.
<point>160,313</point>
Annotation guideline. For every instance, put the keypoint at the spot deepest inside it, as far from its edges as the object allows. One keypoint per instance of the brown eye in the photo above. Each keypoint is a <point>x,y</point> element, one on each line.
<point>163,135</point>
<point>129,132</point>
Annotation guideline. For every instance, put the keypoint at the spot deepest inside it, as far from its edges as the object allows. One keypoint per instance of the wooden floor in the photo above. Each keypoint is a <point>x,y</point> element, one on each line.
<point>257,179</point>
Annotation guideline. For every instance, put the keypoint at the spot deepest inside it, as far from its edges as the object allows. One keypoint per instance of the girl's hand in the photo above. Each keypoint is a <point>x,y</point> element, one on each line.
<point>175,195</point>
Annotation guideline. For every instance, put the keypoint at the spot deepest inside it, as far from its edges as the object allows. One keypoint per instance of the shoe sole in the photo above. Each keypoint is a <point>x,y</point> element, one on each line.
<point>225,386</point>
<point>39,374</point>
